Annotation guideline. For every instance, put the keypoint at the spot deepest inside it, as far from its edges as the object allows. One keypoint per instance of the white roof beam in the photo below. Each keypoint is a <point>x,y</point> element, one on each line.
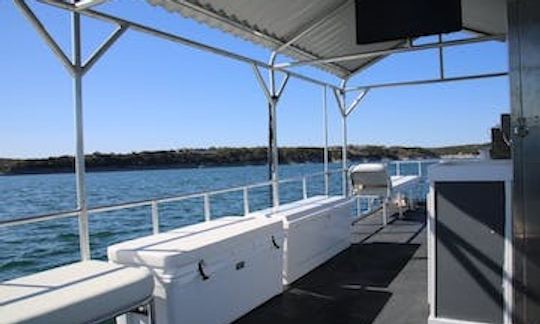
<point>86,4</point>
<point>428,81</point>
<point>365,55</point>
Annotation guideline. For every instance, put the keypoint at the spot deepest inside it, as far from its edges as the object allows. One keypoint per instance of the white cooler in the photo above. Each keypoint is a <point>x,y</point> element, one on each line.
<point>316,229</point>
<point>211,272</point>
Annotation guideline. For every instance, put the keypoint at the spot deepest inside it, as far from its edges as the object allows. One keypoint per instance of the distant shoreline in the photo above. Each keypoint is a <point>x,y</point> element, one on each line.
<point>127,169</point>
<point>226,156</point>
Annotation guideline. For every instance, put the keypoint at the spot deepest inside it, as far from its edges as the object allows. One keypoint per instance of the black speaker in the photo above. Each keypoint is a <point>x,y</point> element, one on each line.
<point>385,20</point>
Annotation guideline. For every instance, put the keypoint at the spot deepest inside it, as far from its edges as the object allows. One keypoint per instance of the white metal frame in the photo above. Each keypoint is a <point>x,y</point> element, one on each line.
<point>77,69</point>
<point>480,171</point>
<point>175,38</point>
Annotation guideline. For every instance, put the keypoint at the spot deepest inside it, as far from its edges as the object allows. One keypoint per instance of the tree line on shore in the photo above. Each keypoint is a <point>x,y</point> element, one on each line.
<point>225,156</point>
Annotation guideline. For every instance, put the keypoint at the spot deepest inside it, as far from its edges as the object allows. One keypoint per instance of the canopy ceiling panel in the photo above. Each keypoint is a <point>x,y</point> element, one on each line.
<point>327,28</point>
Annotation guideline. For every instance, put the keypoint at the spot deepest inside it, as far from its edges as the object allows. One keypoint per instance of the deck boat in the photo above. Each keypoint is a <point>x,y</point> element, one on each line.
<point>295,262</point>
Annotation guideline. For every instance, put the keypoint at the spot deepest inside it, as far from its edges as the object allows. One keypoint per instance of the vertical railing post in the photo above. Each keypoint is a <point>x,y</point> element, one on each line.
<point>304,188</point>
<point>398,165</point>
<point>155,217</point>
<point>80,169</point>
<point>207,214</point>
<point>325,152</point>
<point>246,200</point>
<point>419,168</point>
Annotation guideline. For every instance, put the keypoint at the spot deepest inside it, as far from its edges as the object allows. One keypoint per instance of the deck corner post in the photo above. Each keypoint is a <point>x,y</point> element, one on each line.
<point>325,150</point>
<point>345,111</point>
<point>273,95</point>
<point>76,69</point>
<point>80,166</point>
<point>344,160</point>
<point>340,96</point>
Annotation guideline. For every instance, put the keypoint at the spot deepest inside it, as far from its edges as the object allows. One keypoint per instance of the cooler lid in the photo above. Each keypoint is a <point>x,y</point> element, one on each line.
<point>301,208</point>
<point>186,245</point>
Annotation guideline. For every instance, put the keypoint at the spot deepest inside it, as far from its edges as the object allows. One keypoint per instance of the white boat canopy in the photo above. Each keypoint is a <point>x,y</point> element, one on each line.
<point>309,30</point>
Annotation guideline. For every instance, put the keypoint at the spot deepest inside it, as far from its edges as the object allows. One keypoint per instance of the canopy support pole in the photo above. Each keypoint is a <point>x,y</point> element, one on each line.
<point>344,159</point>
<point>272,95</point>
<point>77,70</point>
<point>80,167</point>
<point>345,111</point>
<point>325,151</point>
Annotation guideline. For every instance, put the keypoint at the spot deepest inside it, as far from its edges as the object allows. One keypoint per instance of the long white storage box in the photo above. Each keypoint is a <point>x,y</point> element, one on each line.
<point>316,229</point>
<point>211,272</point>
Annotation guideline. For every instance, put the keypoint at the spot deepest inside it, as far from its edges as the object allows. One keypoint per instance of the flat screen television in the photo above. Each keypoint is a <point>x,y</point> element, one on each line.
<point>385,20</point>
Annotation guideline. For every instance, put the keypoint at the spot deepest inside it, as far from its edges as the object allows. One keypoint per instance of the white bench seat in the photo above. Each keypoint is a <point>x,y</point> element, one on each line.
<point>77,293</point>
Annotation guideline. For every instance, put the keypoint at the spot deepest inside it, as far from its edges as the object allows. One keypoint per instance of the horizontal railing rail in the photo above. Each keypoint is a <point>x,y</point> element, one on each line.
<point>418,163</point>
<point>154,202</point>
<point>206,196</point>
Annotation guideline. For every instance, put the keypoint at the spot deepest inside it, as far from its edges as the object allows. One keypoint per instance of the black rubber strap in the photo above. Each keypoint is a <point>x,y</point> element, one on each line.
<point>274,242</point>
<point>201,270</point>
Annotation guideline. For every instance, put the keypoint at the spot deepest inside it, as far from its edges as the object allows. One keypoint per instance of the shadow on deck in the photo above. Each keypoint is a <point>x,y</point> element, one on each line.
<point>382,279</point>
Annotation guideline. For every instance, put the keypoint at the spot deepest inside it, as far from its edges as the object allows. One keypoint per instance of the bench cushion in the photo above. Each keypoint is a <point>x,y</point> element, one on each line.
<point>76,293</point>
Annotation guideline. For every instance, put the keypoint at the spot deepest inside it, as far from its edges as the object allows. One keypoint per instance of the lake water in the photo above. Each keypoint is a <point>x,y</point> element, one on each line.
<point>30,248</point>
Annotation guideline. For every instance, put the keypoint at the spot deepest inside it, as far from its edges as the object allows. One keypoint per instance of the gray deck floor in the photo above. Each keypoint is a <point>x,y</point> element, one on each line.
<point>381,279</point>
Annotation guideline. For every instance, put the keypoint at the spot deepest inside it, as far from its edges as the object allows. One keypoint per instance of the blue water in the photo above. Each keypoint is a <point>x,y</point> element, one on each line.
<point>30,248</point>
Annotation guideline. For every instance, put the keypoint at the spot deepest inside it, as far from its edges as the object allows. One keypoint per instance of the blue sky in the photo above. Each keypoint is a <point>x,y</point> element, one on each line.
<point>149,94</point>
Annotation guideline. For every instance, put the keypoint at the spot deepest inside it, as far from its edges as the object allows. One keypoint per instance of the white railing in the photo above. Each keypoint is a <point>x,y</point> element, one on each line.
<point>154,203</point>
<point>418,166</point>
<point>206,195</point>
<point>206,199</point>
